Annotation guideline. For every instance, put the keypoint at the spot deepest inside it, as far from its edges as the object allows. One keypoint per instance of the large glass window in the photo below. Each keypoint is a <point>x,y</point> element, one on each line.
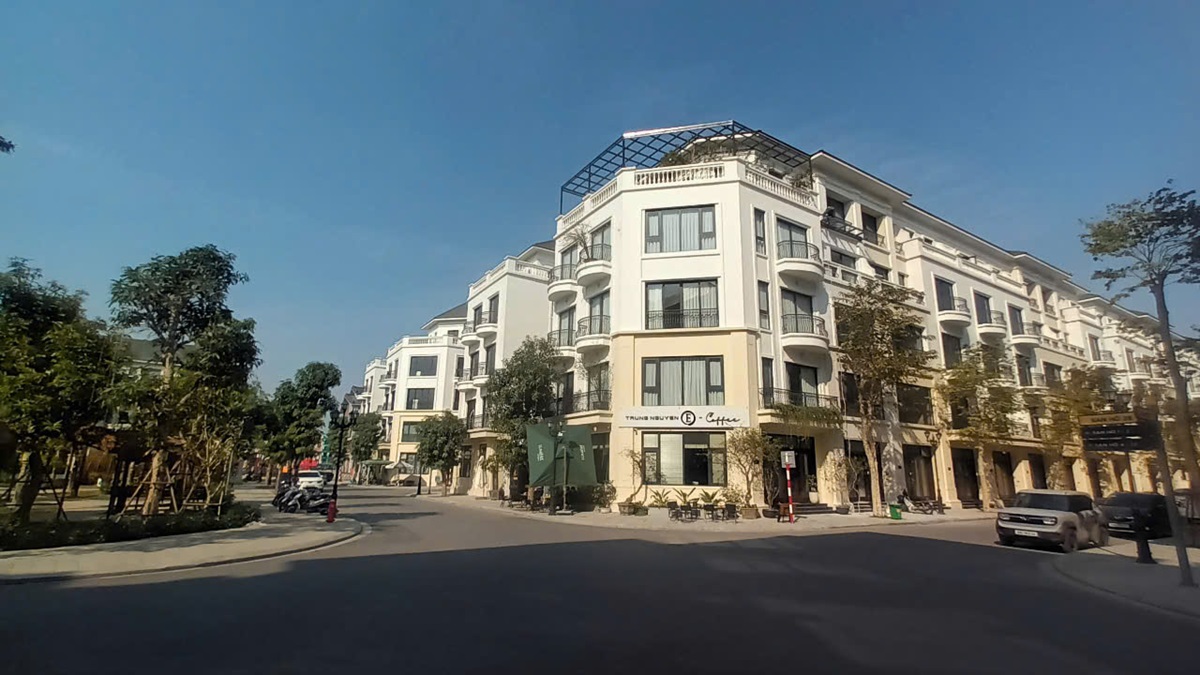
<point>915,404</point>
<point>681,304</point>
<point>489,357</point>
<point>983,308</point>
<point>945,295</point>
<point>764,305</point>
<point>951,350</point>
<point>674,230</point>
<point>843,259</point>
<point>797,310</point>
<point>684,459</point>
<point>918,471</point>
<point>409,432</point>
<point>422,366</point>
<point>760,231</point>
<point>793,239</point>
<point>870,226</point>
<point>686,381</point>
<point>419,399</point>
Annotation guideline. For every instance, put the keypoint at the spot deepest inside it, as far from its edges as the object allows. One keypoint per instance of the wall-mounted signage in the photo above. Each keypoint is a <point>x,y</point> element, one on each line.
<point>683,417</point>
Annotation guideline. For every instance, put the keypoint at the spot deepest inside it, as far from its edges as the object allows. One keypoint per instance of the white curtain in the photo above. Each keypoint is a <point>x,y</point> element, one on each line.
<point>715,378</point>
<point>654,296</point>
<point>708,228</point>
<point>689,230</point>
<point>649,381</point>
<point>695,382</point>
<point>708,301</point>
<point>691,306</point>
<point>653,232</point>
<point>671,458</point>
<point>671,382</point>
<point>670,231</point>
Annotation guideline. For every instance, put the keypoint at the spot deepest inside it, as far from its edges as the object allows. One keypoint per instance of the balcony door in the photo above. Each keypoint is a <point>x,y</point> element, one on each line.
<point>802,384</point>
<point>797,312</point>
<point>945,294</point>
<point>494,308</point>
<point>598,306</point>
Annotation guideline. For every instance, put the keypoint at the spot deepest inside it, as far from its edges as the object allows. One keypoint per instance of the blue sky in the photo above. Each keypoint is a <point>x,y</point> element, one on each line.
<point>367,160</point>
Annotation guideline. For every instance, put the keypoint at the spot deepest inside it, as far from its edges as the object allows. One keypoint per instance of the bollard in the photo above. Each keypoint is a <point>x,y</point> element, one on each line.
<point>1141,532</point>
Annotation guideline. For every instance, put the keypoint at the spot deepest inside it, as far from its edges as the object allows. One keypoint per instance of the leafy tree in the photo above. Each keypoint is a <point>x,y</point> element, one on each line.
<point>365,435</point>
<point>441,443</point>
<point>1083,390</point>
<point>55,369</point>
<point>983,401</point>
<point>1154,242</point>
<point>6,146</point>
<point>879,341</point>
<point>299,407</point>
<point>747,449</point>
<point>176,298</point>
<point>521,393</point>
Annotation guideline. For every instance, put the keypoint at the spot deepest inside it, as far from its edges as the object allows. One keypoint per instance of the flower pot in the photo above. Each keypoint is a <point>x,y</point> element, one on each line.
<point>770,513</point>
<point>843,509</point>
<point>814,498</point>
<point>493,494</point>
<point>627,509</point>
<point>748,512</point>
<point>604,509</point>
<point>642,511</point>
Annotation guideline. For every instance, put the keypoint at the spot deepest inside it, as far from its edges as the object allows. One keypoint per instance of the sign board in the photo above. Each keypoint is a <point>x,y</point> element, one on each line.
<point>788,459</point>
<point>1107,418</point>
<point>683,417</point>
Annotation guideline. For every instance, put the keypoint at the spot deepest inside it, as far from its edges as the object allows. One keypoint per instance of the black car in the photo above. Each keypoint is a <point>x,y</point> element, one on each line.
<point>1118,512</point>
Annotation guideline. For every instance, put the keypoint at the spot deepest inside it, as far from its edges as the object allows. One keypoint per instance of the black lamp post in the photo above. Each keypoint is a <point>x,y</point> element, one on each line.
<point>341,422</point>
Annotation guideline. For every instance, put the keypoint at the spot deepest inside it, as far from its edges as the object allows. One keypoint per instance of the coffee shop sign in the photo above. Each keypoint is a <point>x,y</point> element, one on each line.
<point>676,417</point>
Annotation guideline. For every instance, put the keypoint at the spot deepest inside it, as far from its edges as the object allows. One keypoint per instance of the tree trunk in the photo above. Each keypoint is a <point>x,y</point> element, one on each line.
<point>983,469</point>
<point>446,482</point>
<point>154,490</point>
<point>1185,445</point>
<point>873,469</point>
<point>30,477</point>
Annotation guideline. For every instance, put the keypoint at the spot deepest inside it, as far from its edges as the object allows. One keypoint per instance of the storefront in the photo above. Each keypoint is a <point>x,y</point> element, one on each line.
<point>683,446</point>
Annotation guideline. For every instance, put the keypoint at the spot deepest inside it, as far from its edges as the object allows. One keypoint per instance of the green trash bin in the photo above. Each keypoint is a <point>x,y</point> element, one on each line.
<point>894,509</point>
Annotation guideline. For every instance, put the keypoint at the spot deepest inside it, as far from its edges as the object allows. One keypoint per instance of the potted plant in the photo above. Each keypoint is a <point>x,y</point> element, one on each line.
<point>811,484</point>
<point>747,449</point>
<point>605,493</point>
<point>627,508</point>
<point>632,504</point>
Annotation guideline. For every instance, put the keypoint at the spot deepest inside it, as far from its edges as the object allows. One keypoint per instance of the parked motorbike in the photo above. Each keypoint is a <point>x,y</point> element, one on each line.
<point>281,497</point>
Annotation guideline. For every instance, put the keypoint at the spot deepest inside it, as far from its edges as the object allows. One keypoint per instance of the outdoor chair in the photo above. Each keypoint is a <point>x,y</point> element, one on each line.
<point>710,510</point>
<point>673,511</point>
<point>731,512</point>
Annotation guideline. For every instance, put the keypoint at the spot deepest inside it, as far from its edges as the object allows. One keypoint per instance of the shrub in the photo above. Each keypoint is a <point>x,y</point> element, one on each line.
<point>45,535</point>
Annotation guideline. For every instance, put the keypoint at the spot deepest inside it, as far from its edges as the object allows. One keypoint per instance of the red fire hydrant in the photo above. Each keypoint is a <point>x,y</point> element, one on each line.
<point>331,515</point>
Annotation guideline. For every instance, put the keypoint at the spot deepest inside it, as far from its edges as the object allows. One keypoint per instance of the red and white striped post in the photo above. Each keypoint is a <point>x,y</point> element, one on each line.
<point>788,458</point>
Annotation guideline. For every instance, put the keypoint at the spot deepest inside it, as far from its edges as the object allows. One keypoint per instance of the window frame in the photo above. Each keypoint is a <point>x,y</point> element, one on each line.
<point>764,305</point>
<point>412,361</point>
<point>760,231</point>
<point>408,397</point>
<point>710,450</point>
<point>681,283</point>
<point>648,239</point>
<point>710,387</point>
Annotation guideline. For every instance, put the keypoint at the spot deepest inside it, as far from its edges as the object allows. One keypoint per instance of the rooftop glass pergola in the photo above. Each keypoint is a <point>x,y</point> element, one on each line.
<point>683,145</point>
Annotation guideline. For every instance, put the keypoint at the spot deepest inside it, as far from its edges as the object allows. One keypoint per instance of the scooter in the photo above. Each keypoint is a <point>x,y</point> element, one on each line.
<point>281,497</point>
<point>300,499</point>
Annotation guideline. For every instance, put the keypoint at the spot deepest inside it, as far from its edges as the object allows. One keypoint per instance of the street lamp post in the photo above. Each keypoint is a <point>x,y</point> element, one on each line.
<point>341,422</point>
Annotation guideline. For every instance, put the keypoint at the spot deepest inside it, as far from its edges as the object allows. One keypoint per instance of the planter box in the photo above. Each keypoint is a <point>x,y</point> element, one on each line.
<point>749,512</point>
<point>770,513</point>
<point>842,509</point>
<point>642,511</point>
<point>627,509</point>
<point>493,494</point>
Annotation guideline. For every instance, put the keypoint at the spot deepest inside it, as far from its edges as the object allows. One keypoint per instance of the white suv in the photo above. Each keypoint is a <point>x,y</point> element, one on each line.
<point>1067,519</point>
<point>313,479</point>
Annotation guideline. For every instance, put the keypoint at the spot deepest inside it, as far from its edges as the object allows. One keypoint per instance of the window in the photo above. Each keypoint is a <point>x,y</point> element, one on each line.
<point>768,374</point>
<point>407,462</point>
<point>870,226</point>
<point>1053,373</point>
<point>474,364</point>
<point>598,306</point>
<point>684,459</point>
<point>915,404</point>
<point>918,471</point>
<point>1016,320</point>
<point>801,385</point>
<point>674,230</point>
<point>422,366</point>
<point>458,367</point>
<point>843,259</point>
<point>684,381</point>
<point>456,397</point>
<point>452,333</point>
<point>601,236</point>
<point>881,272</point>
<point>764,305</point>
<point>464,464</point>
<point>945,295</point>
<point>793,240</point>
<point>681,304</point>
<point>600,453</point>
<point>1035,421</point>
<point>983,308</point>
<point>410,432</point>
<point>477,315</point>
<point>1094,346</point>
<point>797,311</point>
<point>836,205</point>
<point>849,382</point>
<point>1130,362</point>
<point>489,358</point>
<point>1024,370</point>
<point>951,350</point>
<point>494,308</point>
<point>902,279</point>
<point>419,399</point>
<point>760,231</point>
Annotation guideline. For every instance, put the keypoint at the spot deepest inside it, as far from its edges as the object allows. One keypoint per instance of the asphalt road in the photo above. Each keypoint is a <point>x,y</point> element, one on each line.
<point>437,588</point>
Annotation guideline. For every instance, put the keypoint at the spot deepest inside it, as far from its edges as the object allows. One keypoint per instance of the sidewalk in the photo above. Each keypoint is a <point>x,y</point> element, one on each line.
<point>276,534</point>
<point>1112,570</point>
<point>658,520</point>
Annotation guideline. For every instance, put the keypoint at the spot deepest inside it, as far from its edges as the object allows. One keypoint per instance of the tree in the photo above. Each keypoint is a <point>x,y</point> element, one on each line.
<point>519,394</point>
<point>441,443</point>
<point>880,342</point>
<point>176,298</point>
<point>365,435</point>
<point>983,401</point>
<point>1154,242</point>
<point>55,370</point>
<point>298,411</point>
<point>746,450</point>
<point>1083,390</point>
<point>6,146</point>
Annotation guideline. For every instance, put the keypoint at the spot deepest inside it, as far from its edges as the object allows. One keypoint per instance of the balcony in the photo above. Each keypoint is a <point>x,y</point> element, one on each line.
<point>480,373</point>
<point>800,260</point>
<point>590,401</point>
<point>596,267</point>
<point>563,339</point>
<point>593,334</point>
<point>681,318</point>
<point>562,283</point>
<point>838,224</point>
<point>804,333</point>
<point>772,398</point>
<point>992,326</point>
<point>1139,375</point>
<point>484,325</point>
<point>477,422</point>
<point>388,378</point>
<point>953,311</point>
<point>1030,380</point>
<point>469,336</point>
<point>1104,359</point>
<point>1023,337</point>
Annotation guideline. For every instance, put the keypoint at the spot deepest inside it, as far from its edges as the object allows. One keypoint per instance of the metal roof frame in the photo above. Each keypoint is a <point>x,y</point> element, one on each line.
<point>658,147</point>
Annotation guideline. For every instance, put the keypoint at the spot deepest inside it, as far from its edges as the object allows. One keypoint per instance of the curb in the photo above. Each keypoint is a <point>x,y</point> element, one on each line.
<point>17,581</point>
<point>1090,587</point>
<point>584,523</point>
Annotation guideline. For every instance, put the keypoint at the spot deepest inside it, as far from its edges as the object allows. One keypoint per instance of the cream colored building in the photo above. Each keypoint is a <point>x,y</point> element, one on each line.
<point>693,287</point>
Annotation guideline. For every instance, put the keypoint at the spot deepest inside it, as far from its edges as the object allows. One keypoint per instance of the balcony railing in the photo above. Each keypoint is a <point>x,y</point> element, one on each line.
<point>952,304</point>
<point>841,225</point>
<point>802,399</point>
<point>804,324</point>
<point>682,318</point>
<point>593,325</point>
<point>478,421</point>
<point>481,370</point>
<point>993,319</point>
<point>563,272</point>
<point>597,252</point>
<point>481,319</point>
<point>1103,356</point>
<point>563,337</point>
<point>792,250</point>
<point>597,399</point>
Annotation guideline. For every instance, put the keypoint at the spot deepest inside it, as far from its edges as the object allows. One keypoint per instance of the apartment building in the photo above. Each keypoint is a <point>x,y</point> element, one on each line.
<point>693,288</point>
<point>504,306</point>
